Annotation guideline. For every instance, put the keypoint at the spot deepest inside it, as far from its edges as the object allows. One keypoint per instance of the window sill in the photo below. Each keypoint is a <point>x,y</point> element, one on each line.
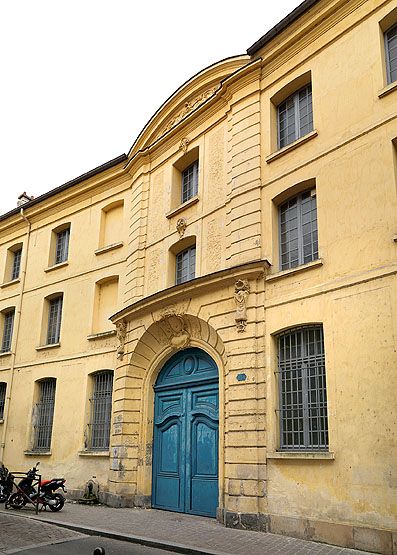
<point>315,264</point>
<point>50,346</point>
<point>101,335</point>
<point>387,90</point>
<point>37,453</point>
<point>108,248</point>
<point>291,146</point>
<point>5,354</point>
<point>56,266</point>
<point>93,453</point>
<point>302,455</point>
<point>182,207</point>
<point>8,283</point>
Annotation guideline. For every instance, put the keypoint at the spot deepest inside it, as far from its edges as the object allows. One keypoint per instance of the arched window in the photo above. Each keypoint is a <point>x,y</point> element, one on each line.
<point>100,411</point>
<point>44,415</point>
<point>302,389</point>
<point>391,54</point>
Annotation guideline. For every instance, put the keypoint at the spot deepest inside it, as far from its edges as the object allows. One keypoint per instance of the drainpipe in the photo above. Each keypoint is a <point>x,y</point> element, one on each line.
<point>15,337</point>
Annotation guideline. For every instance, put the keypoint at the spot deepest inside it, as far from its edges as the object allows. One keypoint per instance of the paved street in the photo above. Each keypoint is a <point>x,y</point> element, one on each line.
<point>167,528</point>
<point>17,533</point>
<point>86,546</point>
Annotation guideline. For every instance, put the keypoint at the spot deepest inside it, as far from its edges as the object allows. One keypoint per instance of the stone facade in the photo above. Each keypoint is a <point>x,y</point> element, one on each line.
<point>225,120</point>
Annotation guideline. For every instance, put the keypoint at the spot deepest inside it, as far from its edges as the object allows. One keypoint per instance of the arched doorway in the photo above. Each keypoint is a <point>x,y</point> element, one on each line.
<point>185,445</point>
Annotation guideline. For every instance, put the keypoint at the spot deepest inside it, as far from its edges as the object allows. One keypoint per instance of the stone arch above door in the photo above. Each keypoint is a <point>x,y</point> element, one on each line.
<point>147,350</point>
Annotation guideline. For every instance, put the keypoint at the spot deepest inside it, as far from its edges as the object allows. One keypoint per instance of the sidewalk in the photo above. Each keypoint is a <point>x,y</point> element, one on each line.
<point>177,532</point>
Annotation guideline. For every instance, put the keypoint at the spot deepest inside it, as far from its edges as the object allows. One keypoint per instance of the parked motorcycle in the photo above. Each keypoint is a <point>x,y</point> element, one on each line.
<point>6,483</point>
<point>47,497</point>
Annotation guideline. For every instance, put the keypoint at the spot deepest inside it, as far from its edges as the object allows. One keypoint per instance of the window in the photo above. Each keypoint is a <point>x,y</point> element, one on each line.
<point>16,264</point>
<point>190,182</point>
<point>105,304</point>
<point>54,320</point>
<point>3,388</point>
<point>62,246</point>
<point>101,411</point>
<point>8,325</point>
<point>298,230</point>
<point>111,226</point>
<point>295,116</point>
<point>186,265</point>
<point>44,415</point>
<point>302,389</point>
<point>391,54</point>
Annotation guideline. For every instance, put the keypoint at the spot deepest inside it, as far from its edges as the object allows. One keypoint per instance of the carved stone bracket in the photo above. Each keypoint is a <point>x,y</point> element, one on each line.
<point>181,226</point>
<point>241,292</point>
<point>121,336</point>
<point>184,144</point>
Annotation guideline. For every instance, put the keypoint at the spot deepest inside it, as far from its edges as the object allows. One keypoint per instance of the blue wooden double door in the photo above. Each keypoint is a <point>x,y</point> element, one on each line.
<point>185,448</point>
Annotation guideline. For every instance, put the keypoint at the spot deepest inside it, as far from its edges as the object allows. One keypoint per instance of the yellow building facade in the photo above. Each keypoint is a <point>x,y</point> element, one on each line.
<point>245,253</point>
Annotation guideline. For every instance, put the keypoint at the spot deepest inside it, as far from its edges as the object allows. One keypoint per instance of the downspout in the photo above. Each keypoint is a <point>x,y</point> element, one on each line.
<point>15,336</point>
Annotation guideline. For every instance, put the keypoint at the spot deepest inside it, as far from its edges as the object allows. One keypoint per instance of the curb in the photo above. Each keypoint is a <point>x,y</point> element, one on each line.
<point>141,540</point>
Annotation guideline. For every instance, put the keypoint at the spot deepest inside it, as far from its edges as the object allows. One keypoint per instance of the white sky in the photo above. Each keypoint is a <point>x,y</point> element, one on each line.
<point>80,78</point>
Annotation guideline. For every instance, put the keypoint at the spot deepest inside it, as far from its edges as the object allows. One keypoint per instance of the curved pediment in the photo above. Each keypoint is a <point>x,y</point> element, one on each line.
<point>185,100</point>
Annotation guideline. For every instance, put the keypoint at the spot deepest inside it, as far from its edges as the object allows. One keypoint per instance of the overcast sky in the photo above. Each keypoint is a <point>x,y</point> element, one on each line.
<point>79,79</point>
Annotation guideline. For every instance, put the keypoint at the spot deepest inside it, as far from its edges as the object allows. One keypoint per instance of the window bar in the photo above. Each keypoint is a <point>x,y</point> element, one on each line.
<point>7,331</point>
<point>16,265</point>
<point>101,411</point>
<point>45,414</point>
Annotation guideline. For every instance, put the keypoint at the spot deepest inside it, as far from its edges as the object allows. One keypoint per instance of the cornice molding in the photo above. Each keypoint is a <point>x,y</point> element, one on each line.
<point>203,112</point>
<point>193,288</point>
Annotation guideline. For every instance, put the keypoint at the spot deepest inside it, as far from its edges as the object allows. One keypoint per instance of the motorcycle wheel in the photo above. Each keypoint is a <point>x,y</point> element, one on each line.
<point>60,501</point>
<point>16,501</point>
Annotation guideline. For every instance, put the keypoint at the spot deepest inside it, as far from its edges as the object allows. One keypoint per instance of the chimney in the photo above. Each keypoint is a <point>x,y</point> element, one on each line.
<point>24,198</point>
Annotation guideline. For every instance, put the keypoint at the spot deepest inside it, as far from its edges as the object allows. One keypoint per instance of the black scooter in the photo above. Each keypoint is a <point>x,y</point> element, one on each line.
<point>44,494</point>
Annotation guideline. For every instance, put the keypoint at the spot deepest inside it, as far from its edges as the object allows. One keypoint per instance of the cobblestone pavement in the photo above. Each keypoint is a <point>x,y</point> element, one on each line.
<point>194,531</point>
<point>20,533</point>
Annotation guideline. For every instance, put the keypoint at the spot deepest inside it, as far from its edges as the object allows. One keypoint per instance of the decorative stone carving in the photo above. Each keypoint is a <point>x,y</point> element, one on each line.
<point>189,107</point>
<point>121,336</point>
<point>241,292</point>
<point>181,225</point>
<point>184,144</point>
<point>179,337</point>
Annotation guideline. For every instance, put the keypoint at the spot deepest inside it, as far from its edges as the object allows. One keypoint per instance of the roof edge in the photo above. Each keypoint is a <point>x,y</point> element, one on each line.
<point>281,25</point>
<point>67,185</point>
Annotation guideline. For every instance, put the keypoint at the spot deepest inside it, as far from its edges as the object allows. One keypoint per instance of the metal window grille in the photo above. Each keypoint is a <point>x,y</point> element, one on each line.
<point>44,415</point>
<point>298,231</point>
<point>3,388</point>
<point>190,182</point>
<point>54,320</point>
<point>186,265</point>
<point>101,411</point>
<point>7,331</point>
<point>16,264</point>
<point>295,116</point>
<point>62,246</point>
<point>302,390</point>
<point>391,54</point>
